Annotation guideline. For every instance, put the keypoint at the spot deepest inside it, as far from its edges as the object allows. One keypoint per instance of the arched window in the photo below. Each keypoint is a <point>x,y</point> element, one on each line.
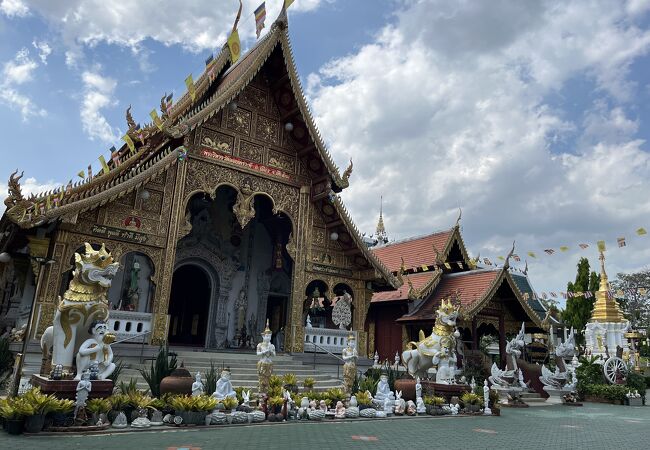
<point>132,288</point>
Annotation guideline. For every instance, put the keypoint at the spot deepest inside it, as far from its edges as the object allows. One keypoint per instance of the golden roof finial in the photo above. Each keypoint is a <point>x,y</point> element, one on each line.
<point>605,308</point>
<point>381,229</point>
<point>267,330</point>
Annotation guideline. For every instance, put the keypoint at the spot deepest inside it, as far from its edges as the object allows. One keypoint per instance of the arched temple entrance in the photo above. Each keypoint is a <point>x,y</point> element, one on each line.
<point>188,306</point>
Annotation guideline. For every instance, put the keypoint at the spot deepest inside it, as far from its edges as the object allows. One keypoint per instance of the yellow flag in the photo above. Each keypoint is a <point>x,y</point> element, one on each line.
<point>48,202</point>
<point>81,174</point>
<point>126,138</point>
<point>448,266</point>
<point>234,45</point>
<point>643,291</point>
<point>102,161</point>
<point>501,258</point>
<point>601,246</point>
<point>189,82</point>
<point>425,267</point>
<point>156,119</point>
<point>532,255</point>
<point>641,231</point>
<point>564,248</point>
<point>287,3</point>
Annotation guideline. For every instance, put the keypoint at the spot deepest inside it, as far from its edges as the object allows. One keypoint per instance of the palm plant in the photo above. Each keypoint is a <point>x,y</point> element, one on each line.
<point>162,367</point>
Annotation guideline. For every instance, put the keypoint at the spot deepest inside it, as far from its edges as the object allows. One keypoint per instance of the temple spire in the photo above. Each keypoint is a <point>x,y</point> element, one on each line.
<point>380,233</point>
<point>606,310</point>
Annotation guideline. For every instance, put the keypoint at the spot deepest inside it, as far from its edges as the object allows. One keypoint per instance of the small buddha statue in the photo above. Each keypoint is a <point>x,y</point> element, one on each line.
<point>224,387</point>
<point>197,386</point>
<point>340,410</point>
<point>383,390</point>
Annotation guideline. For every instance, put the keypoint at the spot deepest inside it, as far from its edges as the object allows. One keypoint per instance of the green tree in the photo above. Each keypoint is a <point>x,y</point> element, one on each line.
<point>633,293</point>
<point>578,308</point>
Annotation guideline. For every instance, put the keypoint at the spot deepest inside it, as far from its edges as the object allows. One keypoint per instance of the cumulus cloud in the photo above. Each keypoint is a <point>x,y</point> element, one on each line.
<point>449,107</point>
<point>197,25</point>
<point>16,72</point>
<point>13,8</point>
<point>98,94</point>
<point>44,50</point>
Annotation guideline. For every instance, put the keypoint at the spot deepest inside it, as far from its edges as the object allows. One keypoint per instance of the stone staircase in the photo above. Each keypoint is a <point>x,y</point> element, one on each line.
<point>533,399</point>
<point>243,367</point>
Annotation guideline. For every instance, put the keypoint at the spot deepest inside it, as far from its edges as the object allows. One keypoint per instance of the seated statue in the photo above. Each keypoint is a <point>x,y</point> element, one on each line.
<point>383,390</point>
<point>98,349</point>
<point>224,387</point>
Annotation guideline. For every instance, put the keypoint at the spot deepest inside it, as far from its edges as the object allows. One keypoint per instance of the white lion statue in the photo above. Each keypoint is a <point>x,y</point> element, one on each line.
<point>438,350</point>
<point>83,303</point>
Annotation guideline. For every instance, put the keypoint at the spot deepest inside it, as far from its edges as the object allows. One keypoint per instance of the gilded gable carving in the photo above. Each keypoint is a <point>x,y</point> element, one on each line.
<point>216,141</point>
<point>239,120</point>
<point>253,98</point>
<point>128,199</point>
<point>251,151</point>
<point>267,129</point>
<point>282,161</point>
<point>154,203</point>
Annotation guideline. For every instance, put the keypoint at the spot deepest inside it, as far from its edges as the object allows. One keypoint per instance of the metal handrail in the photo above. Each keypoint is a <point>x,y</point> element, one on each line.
<point>144,333</point>
<point>338,367</point>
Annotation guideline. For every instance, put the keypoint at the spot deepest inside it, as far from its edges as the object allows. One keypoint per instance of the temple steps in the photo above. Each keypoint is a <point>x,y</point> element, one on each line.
<point>533,399</point>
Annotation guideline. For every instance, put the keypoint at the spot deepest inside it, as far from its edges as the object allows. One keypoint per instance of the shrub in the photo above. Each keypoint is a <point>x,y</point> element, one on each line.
<point>368,384</point>
<point>62,406</point>
<point>309,383</point>
<point>335,395</point>
<point>230,403</point>
<point>275,381</point>
<point>363,398</point>
<point>290,379</point>
<point>469,398</point>
<point>211,378</point>
<point>118,401</point>
<point>615,392</point>
<point>128,388</point>
<point>275,401</point>
<point>99,405</point>
<point>188,403</point>
<point>15,408</point>
<point>41,403</point>
<point>163,366</point>
<point>635,381</point>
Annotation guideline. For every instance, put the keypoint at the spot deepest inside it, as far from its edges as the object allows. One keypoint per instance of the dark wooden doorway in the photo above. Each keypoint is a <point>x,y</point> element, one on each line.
<point>189,303</point>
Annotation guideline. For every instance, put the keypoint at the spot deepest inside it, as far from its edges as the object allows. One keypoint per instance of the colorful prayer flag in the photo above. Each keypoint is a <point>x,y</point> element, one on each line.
<point>209,60</point>
<point>90,172</point>
<point>460,265</point>
<point>81,174</point>
<point>544,296</point>
<point>501,258</point>
<point>563,294</point>
<point>583,246</point>
<point>550,251</point>
<point>287,3</point>
<point>260,15</point>
<point>115,156</point>
<point>553,294</point>
<point>643,291</point>
<point>448,266</point>
<point>564,248</point>
<point>235,46</point>
<point>621,241</point>
<point>532,255</point>
<point>620,293</point>
<point>48,203</point>
<point>189,82</point>
<point>516,257</point>
<point>641,231</point>
<point>156,119</point>
<point>601,246</point>
<point>425,267</point>
<point>129,142</point>
<point>102,161</point>
<point>487,261</point>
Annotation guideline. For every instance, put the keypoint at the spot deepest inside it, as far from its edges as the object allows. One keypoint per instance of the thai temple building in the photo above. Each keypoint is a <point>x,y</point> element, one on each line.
<point>223,213</point>
<point>436,267</point>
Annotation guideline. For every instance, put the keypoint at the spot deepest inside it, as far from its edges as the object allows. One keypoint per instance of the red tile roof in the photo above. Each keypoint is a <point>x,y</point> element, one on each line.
<point>418,280</point>
<point>415,251</point>
<point>470,286</point>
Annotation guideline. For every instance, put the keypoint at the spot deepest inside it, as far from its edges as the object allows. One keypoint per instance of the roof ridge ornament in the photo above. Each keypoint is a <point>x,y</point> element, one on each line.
<point>506,265</point>
<point>460,214</point>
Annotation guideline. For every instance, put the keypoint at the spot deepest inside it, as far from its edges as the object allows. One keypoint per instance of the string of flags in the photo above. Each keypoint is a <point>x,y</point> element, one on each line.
<point>619,293</point>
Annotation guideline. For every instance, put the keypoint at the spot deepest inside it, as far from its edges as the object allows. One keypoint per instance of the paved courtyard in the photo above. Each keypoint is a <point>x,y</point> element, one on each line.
<point>593,426</point>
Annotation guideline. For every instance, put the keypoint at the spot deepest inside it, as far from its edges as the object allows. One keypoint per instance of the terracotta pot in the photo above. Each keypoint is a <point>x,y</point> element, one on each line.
<point>407,386</point>
<point>178,382</point>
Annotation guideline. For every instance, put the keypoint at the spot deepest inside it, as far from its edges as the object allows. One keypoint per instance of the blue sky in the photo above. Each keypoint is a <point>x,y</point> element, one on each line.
<point>531,116</point>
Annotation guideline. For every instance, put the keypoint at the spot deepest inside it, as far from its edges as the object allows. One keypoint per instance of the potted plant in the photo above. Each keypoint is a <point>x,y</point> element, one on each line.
<point>290,382</point>
<point>309,383</point>
<point>495,406</point>
<point>230,404</point>
<point>60,413</point>
<point>363,400</point>
<point>14,411</point>
<point>42,404</point>
<point>275,405</point>
<point>98,406</point>
<point>119,403</point>
<point>193,410</point>
<point>471,401</point>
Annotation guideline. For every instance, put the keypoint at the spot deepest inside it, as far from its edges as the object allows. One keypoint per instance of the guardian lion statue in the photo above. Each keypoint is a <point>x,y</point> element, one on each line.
<point>438,350</point>
<point>83,303</point>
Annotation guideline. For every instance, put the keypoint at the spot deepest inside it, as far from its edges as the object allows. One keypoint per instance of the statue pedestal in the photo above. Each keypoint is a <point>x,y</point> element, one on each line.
<point>68,388</point>
<point>555,395</point>
<point>443,390</point>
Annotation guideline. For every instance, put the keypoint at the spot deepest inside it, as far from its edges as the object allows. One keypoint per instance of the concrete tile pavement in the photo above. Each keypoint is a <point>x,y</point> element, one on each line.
<point>593,426</point>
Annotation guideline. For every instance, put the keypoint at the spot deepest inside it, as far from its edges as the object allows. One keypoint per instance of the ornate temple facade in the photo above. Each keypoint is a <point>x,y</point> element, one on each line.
<point>436,267</point>
<point>224,213</point>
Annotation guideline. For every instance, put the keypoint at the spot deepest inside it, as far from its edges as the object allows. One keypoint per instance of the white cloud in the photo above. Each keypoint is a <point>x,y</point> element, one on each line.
<point>16,72</point>
<point>13,8</point>
<point>197,25</point>
<point>98,94</point>
<point>44,50</point>
<point>448,108</point>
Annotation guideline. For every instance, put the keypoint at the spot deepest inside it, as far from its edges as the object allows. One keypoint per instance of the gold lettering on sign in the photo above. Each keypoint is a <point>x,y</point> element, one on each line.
<point>118,234</point>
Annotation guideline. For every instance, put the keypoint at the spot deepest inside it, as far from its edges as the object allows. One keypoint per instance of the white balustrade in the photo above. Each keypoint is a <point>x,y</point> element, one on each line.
<point>322,340</point>
<point>125,324</point>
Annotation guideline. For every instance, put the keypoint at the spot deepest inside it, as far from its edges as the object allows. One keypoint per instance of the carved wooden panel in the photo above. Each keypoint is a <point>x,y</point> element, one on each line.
<point>254,152</point>
<point>267,129</point>
<point>239,120</point>
<point>253,98</point>
<point>282,161</point>
<point>154,203</point>
<point>128,200</point>
<point>216,141</point>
